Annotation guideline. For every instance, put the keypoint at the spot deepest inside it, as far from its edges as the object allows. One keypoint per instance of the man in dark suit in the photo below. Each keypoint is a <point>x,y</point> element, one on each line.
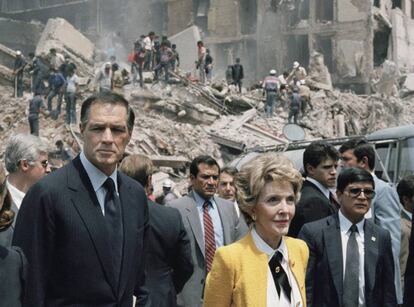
<point>168,258</point>
<point>320,161</point>
<point>385,208</point>
<point>83,227</point>
<point>350,262</point>
<point>210,222</point>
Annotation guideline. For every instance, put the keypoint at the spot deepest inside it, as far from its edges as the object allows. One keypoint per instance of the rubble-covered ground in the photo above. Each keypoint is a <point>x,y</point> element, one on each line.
<point>182,119</point>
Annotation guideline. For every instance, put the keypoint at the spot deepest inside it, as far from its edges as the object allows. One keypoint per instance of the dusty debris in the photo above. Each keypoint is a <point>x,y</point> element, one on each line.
<point>318,74</point>
<point>62,36</point>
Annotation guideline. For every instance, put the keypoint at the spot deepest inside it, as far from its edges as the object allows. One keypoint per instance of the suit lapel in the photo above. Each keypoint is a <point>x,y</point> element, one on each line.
<point>84,199</point>
<point>332,237</point>
<point>371,255</point>
<point>129,221</point>
<point>332,207</point>
<point>194,221</point>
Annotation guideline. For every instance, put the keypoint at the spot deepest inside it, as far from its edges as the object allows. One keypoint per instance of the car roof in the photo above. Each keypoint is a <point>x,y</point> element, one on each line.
<point>400,132</point>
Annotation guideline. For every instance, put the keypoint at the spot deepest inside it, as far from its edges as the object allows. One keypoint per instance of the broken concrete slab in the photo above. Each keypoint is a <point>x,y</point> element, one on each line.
<point>186,42</point>
<point>409,82</point>
<point>61,35</point>
<point>318,74</point>
<point>7,56</point>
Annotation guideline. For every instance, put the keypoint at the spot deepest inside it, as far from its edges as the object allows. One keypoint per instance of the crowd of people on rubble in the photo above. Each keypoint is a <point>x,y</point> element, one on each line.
<point>91,233</point>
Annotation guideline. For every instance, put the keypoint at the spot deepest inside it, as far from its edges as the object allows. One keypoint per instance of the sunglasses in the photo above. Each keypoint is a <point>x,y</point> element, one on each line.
<point>355,192</point>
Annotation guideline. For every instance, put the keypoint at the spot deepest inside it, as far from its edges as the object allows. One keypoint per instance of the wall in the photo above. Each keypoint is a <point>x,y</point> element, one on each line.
<point>20,35</point>
<point>223,19</point>
<point>180,15</point>
<point>403,39</point>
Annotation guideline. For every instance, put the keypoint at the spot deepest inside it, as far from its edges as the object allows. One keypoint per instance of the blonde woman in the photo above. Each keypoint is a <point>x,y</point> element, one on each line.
<point>265,268</point>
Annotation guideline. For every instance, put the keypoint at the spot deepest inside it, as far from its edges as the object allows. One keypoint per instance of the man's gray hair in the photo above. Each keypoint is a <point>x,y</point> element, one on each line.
<point>23,147</point>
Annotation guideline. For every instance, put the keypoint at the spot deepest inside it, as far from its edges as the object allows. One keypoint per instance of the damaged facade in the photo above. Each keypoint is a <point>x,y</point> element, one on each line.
<point>127,19</point>
<point>354,36</point>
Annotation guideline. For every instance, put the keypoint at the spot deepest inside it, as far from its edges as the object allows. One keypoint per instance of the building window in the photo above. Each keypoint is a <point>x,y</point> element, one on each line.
<point>377,3</point>
<point>325,10</point>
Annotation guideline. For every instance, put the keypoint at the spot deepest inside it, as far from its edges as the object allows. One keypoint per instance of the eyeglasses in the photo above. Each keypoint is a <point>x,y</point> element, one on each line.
<point>355,192</point>
<point>44,163</point>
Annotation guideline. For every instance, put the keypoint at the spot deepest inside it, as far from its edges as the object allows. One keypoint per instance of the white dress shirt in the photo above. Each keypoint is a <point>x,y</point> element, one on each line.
<point>215,218</point>
<point>16,195</point>
<point>273,298</point>
<point>345,224</point>
<point>323,189</point>
<point>97,179</point>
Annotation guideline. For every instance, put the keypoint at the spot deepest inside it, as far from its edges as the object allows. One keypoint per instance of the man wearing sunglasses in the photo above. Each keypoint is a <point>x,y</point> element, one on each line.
<point>385,209</point>
<point>351,260</point>
<point>26,162</point>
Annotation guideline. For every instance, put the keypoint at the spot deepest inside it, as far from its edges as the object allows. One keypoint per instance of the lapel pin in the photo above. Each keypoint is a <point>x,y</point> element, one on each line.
<point>277,270</point>
<point>373,239</point>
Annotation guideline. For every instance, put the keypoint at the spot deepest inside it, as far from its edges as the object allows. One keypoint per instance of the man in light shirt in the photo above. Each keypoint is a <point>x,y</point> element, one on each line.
<point>350,258</point>
<point>26,160</point>
<point>226,188</point>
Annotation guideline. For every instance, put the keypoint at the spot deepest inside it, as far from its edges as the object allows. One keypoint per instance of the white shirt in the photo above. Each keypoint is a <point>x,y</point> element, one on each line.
<point>323,189</point>
<point>71,83</point>
<point>97,179</point>
<point>236,206</point>
<point>215,218</point>
<point>345,224</point>
<point>148,43</point>
<point>273,298</point>
<point>16,195</point>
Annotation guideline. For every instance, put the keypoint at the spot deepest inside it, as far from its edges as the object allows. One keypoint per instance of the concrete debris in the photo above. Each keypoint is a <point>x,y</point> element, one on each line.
<point>387,80</point>
<point>62,36</point>
<point>187,42</point>
<point>318,74</point>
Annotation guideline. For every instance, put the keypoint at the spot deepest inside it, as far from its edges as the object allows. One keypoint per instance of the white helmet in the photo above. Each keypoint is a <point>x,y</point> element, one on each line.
<point>167,183</point>
<point>295,64</point>
<point>272,72</point>
<point>18,52</point>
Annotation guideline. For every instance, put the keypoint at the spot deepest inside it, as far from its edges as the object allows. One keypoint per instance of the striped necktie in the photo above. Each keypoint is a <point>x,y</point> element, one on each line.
<point>209,240</point>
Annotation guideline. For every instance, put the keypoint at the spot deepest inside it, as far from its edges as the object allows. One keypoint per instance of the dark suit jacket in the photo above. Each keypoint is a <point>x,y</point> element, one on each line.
<point>324,276</point>
<point>409,274</point>
<point>312,206</point>
<point>13,273</point>
<point>168,259</point>
<point>64,236</point>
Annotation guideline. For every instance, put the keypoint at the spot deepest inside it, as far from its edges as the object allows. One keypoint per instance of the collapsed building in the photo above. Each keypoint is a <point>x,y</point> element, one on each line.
<point>354,36</point>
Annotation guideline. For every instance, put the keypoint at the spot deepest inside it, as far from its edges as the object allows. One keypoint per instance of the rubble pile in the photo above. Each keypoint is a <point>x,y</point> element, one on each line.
<point>182,119</point>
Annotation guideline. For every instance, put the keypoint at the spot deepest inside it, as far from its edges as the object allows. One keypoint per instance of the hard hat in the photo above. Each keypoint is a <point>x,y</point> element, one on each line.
<point>295,64</point>
<point>273,72</point>
<point>108,64</point>
<point>167,183</point>
<point>18,52</point>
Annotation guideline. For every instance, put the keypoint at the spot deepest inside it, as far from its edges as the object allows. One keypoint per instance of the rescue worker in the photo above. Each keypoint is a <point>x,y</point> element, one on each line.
<point>19,64</point>
<point>271,89</point>
<point>294,106</point>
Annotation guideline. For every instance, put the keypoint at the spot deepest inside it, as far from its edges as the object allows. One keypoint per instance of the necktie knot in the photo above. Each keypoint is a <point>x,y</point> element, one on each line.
<point>109,185</point>
<point>207,204</point>
<point>353,228</point>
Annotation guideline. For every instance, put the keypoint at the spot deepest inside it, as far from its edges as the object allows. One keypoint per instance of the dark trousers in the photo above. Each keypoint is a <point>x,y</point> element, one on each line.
<point>270,102</point>
<point>53,93</point>
<point>293,113</point>
<point>19,84</point>
<point>162,66</point>
<point>238,83</point>
<point>34,124</point>
<point>70,108</point>
<point>148,60</point>
<point>137,69</point>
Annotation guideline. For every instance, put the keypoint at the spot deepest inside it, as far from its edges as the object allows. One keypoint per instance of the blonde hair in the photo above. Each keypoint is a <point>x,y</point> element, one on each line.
<point>255,174</point>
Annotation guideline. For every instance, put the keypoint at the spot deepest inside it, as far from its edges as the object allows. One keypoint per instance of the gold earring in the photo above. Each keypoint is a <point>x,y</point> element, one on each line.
<point>254,217</point>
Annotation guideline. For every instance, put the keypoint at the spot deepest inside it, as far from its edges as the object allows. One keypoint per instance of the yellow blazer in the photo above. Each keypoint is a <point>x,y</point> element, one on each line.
<point>238,277</point>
